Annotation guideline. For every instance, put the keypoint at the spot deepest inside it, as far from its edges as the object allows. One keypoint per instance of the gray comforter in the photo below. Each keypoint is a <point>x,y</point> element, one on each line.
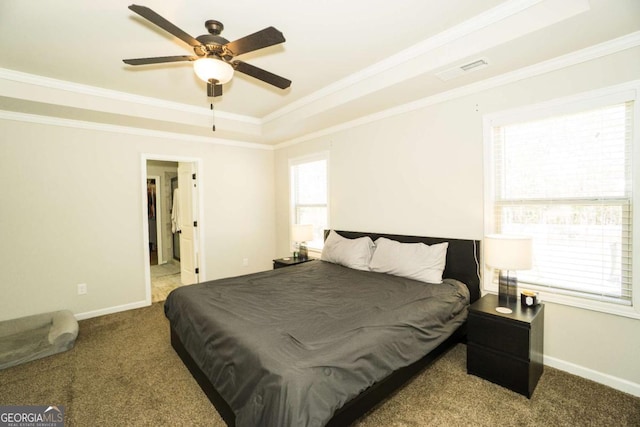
<point>288,347</point>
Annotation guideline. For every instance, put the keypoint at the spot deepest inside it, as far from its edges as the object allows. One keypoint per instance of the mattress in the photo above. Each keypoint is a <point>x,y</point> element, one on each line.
<point>290,346</point>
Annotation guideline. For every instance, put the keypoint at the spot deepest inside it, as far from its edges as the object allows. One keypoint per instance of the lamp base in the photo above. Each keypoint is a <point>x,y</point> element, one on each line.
<point>507,291</point>
<point>303,254</point>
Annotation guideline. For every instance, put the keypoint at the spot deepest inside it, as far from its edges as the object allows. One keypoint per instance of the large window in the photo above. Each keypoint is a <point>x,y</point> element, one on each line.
<point>564,177</point>
<point>309,195</point>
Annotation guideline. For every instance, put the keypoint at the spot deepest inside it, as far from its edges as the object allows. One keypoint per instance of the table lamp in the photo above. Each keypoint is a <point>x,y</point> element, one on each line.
<point>507,253</point>
<point>301,234</point>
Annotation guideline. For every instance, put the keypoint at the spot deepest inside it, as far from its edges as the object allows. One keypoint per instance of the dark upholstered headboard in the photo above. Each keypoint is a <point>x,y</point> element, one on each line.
<point>462,256</point>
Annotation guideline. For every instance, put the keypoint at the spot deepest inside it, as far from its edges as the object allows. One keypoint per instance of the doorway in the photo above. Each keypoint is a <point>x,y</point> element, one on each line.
<point>161,235</point>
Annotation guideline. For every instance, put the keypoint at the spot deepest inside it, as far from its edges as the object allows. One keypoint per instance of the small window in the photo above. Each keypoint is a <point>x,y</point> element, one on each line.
<point>309,195</point>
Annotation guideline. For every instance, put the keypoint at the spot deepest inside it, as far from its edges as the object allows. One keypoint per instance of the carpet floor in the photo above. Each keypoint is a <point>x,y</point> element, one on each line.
<point>123,371</point>
<point>164,278</point>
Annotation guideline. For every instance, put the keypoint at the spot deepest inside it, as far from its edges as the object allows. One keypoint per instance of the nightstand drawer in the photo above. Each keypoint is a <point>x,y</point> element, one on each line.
<point>497,334</point>
<point>499,368</point>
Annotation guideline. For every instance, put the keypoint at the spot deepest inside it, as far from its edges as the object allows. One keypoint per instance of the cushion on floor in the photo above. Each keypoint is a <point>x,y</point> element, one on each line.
<point>33,337</point>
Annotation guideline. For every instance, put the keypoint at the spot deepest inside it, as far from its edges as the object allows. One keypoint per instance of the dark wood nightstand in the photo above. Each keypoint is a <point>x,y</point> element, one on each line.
<point>288,262</point>
<point>506,349</point>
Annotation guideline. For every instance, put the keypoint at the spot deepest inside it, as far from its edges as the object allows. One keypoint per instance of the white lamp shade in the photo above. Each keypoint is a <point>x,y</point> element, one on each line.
<point>212,68</point>
<point>508,252</point>
<point>302,232</point>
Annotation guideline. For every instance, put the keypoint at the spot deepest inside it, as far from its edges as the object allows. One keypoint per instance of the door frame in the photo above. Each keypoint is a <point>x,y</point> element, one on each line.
<point>144,157</point>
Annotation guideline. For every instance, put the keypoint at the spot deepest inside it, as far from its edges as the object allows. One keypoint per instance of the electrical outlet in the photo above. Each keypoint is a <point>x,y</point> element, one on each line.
<point>245,262</point>
<point>82,288</point>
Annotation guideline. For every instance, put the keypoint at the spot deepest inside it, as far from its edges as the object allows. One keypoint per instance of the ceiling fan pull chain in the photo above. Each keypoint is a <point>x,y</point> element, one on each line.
<point>213,116</point>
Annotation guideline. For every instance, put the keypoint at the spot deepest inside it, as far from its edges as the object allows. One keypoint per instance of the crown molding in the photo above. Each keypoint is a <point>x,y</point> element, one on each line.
<point>587,54</point>
<point>79,124</point>
<point>467,28</point>
<point>331,94</point>
<point>607,48</point>
<point>419,58</point>
<point>51,83</point>
<point>476,23</point>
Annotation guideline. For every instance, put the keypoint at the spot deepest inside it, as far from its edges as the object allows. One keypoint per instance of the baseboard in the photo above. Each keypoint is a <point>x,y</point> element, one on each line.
<point>111,310</point>
<point>599,377</point>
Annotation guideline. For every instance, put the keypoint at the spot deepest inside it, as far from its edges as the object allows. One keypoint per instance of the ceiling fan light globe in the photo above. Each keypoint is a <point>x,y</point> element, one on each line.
<point>212,68</point>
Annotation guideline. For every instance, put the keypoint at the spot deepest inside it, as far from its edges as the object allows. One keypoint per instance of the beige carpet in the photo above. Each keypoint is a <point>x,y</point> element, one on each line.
<point>123,371</point>
<point>164,278</point>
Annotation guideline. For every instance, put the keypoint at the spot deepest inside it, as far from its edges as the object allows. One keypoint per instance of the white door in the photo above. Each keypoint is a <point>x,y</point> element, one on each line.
<point>188,185</point>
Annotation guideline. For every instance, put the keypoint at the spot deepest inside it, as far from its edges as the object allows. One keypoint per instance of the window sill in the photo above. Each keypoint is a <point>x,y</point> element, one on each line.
<point>583,303</point>
<point>314,253</point>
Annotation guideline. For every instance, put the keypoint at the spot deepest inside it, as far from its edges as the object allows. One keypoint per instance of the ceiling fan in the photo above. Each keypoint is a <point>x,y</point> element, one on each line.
<point>214,55</point>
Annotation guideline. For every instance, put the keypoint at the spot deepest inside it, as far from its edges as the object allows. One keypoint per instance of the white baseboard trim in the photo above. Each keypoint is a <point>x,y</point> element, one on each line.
<point>111,310</point>
<point>599,377</point>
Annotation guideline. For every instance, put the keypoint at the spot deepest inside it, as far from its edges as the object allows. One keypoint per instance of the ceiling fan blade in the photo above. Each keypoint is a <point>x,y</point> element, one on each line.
<point>159,60</point>
<point>261,39</point>
<point>260,74</point>
<point>154,18</point>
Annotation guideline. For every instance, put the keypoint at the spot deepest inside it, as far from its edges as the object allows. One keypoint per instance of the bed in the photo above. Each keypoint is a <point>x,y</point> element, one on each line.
<point>318,343</point>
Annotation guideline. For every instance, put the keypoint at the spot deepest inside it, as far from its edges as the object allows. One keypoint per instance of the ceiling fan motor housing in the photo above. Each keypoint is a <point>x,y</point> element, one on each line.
<point>213,44</point>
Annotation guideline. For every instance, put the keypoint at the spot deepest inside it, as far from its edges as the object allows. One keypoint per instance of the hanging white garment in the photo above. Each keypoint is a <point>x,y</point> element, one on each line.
<point>175,215</point>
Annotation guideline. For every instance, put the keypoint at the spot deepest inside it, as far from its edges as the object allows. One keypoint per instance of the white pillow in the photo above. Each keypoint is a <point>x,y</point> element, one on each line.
<point>412,260</point>
<point>352,253</point>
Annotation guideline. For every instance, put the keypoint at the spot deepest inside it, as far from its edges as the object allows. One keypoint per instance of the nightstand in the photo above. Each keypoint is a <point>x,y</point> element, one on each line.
<point>288,262</point>
<point>506,349</point>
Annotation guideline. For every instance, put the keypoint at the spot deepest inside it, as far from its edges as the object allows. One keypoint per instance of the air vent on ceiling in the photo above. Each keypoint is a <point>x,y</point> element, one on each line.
<point>459,70</point>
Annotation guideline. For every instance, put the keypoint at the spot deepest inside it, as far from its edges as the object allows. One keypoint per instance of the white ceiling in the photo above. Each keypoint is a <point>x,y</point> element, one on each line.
<point>347,59</point>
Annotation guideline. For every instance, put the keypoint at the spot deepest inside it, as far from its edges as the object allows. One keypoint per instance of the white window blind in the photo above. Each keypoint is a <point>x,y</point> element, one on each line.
<point>309,195</point>
<point>566,181</point>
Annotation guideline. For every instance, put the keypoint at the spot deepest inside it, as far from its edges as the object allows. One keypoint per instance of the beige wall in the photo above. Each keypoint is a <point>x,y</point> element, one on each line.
<point>421,172</point>
<point>71,212</point>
